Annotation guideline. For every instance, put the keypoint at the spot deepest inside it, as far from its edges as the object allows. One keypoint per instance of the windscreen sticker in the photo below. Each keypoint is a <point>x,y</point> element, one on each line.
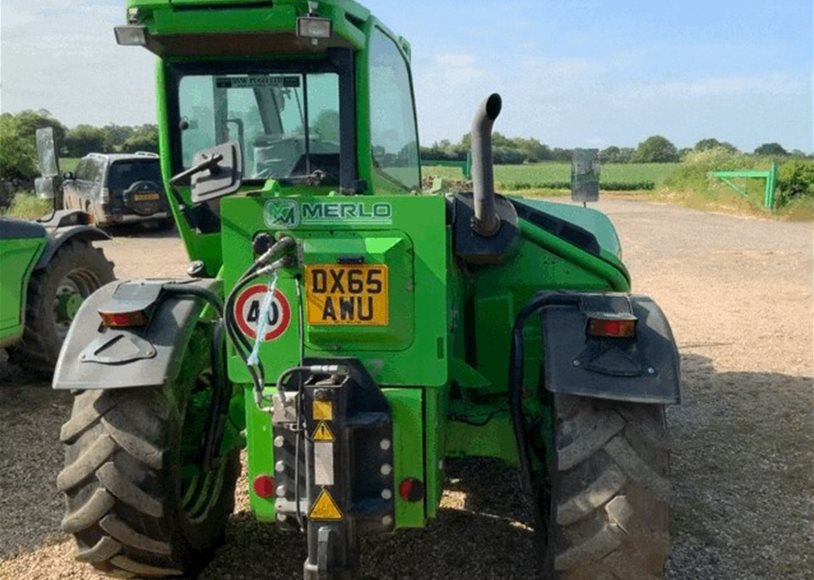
<point>255,81</point>
<point>247,312</point>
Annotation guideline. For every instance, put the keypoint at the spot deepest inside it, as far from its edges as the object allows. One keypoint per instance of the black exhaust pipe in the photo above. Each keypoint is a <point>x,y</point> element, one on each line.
<point>486,222</point>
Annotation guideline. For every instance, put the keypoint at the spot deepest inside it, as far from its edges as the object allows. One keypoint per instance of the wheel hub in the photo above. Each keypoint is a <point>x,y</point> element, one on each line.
<point>68,303</point>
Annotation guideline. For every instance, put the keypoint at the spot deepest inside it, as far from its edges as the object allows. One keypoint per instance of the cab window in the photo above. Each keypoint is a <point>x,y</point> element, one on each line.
<point>286,123</point>
<point>393,135</point>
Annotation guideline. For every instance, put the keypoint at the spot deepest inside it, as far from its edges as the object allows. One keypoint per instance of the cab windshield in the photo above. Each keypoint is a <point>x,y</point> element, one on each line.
<point>287,123</point>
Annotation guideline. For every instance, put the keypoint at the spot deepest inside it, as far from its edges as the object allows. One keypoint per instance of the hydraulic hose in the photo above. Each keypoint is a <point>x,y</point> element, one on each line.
<point>516,363</point>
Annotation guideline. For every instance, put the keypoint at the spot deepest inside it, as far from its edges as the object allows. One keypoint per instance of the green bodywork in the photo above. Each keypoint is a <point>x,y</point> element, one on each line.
<point>442,359</point>
<point>18,258</point>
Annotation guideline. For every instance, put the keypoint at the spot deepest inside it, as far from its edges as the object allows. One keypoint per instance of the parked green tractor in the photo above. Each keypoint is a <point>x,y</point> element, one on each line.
<point>349,331</point>
<point>49,267</point>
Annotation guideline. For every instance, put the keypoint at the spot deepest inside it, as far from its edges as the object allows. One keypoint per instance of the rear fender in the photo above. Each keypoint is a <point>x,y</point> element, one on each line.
<point>97,357</point>
<point>642,369</point>
<point>64,226</point>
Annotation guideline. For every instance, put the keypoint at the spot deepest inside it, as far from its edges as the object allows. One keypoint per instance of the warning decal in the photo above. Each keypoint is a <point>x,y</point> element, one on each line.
<point>323,433</point>
<point>325,508</point>
<point>323,411</point>
<point>247,312</point>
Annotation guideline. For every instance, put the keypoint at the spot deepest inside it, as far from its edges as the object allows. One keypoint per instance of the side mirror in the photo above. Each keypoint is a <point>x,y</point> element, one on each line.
<point>47,153</point>
<point>45,187</point>
<point>215,172</point>
<point>585,175</point>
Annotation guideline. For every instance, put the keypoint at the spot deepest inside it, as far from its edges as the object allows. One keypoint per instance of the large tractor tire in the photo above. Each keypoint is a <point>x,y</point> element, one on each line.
<point>610,491</point>
<point>138,501</point>
<point>55,292</point>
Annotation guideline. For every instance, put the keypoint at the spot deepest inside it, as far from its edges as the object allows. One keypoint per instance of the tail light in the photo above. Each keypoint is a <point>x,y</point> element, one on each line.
<point>411,489</point>
<point>124,319</point>
<point>264,486</point>
<point>612,327</point>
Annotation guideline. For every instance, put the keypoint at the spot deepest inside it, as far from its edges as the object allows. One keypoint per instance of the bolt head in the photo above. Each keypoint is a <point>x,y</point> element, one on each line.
<point>387,494</point>
<point>386,469</point>
<point>385,444</point>
<point>387,521</point>
<point>279,441</point>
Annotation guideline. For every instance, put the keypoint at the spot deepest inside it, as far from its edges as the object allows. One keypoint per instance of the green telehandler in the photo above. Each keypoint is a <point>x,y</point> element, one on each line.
<point>349,331</point>
<point>49,267</point>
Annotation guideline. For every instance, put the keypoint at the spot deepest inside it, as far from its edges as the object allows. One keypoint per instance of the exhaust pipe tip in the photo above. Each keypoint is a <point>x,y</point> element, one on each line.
<point>486,222</point>
<point>493,105</point>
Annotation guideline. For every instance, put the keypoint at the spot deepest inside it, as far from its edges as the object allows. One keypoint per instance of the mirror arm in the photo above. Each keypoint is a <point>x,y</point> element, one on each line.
<point>211,164</point>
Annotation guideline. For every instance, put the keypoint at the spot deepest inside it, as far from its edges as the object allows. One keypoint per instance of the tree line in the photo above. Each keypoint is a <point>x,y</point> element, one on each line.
<point>18,159</point>
<point>18,153</point>
<point>654,149</point>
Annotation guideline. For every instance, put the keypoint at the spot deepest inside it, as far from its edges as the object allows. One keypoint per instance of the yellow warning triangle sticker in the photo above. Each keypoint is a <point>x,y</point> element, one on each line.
<point>323,433</point>
<point>325,508</point>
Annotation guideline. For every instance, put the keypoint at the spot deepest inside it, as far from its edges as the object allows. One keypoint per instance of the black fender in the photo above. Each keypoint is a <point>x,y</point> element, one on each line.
<point>97,357</point>
<point>642,369</point>
<point>66,225</point>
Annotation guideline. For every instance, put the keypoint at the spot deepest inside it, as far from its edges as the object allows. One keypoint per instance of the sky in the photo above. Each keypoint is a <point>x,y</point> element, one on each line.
<point>586,73</point>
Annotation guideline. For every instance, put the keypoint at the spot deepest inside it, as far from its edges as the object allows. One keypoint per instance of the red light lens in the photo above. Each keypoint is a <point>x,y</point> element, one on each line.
<point>611,328</point>
<point>411,489</point>
<point>264,486</point>
<point>124,319</point>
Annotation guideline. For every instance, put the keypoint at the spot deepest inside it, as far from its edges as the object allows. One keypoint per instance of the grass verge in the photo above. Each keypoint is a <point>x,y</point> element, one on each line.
<point>27,206</point>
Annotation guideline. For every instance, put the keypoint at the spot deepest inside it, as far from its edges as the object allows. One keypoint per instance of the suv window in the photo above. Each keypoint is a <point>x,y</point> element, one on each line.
<point>91,169</point>
<point>82,170</point>
<point>123,174</point>
<point>393,135</point>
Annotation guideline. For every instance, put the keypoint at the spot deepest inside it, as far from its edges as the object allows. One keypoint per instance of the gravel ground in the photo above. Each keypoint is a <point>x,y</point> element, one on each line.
<point>738,292</point>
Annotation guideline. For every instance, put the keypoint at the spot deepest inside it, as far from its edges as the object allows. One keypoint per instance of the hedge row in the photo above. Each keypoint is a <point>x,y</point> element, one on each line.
<point>604,185</point>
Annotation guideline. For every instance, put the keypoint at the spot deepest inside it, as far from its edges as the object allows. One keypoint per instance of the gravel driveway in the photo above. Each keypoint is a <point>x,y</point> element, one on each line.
<point>738,292</point>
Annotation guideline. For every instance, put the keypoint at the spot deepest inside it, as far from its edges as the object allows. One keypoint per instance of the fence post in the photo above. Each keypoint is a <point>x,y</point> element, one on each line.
<point>771,185</point>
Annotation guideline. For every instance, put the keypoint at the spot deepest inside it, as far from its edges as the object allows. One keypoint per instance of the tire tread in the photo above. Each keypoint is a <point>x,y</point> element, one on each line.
<point>611,490</point>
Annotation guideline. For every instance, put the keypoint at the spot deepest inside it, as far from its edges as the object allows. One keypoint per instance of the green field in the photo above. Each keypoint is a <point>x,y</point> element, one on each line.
<point>546,174</point>
<point>68,163</point>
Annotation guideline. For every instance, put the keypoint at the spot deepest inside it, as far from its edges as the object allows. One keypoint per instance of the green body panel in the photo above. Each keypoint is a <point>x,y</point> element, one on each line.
<point>588,219</point>
<point>413,244</point>
<point>442,357</point>
<point>18,258</point>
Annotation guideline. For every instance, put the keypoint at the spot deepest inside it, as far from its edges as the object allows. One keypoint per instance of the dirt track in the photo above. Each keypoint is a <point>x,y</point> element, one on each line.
<point>739,295</point>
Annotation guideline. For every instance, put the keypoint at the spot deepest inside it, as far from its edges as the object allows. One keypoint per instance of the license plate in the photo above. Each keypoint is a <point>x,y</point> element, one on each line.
<point>146,197</point>
<point>350,294</point>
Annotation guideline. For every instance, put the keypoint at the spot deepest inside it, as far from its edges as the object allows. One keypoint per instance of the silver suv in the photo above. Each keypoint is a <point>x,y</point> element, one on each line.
<point>118,188</point>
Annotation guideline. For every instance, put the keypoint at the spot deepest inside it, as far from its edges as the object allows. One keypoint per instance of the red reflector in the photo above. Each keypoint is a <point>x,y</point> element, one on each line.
<point>264,486</point>
<point>411,489</point>
<point>122,319</point>
<point>611,328</point>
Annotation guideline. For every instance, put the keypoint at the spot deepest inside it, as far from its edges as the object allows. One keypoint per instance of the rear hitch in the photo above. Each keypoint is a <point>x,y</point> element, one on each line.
<point>333,453</point>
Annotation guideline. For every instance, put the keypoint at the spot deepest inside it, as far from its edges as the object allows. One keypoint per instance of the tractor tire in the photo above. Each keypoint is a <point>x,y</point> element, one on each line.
<point>610,491</point>
<point>137,501</point>
<point>75,271</point>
